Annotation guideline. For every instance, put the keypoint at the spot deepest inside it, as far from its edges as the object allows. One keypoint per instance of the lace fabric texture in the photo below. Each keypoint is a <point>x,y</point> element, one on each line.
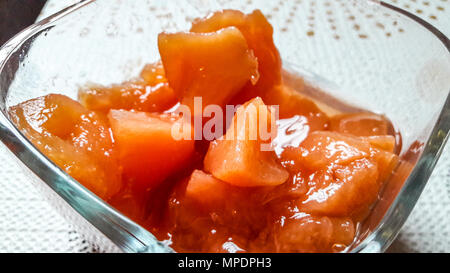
<point>29,224</point>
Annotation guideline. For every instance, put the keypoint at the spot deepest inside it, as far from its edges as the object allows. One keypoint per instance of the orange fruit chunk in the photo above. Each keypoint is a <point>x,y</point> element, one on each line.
<point>322,148</point>
<point>75,139</point>
<point>214,66</point>
<point>386,162</point>
<point>306,233</point>
<point>147,149</point>
<point>342,173</point>
<point>151,93</point>
<point>382,142</point>
<point>153,73</point>
<point>129,95</point>
<point>343,191</point>
<point>293,103</point>
<point>238,158</point>
<point>53,113</point>
<point>98,176</point>
<point>298,184</point>
<point>130,204</point>
<point>258,32</point>
<point>360,124</point>
<point>206,190</point>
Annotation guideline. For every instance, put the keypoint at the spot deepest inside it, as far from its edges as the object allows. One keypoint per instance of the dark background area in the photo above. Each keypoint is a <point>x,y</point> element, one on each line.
<point>15,15</point>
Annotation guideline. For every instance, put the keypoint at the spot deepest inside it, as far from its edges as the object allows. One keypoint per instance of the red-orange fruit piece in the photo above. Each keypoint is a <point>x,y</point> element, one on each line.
<point>150,93</point>
<point>136,95</point>
<point>386,162</point>
<point>147,149</point>
<point>75,139</point>
<point>360,124</point>
<point>343,175</point>
<point>239,157</point>
<point>293,103</point>
<point>306,233</point>
<point>322,148</point>
<point>382,142</point>
<point>153,73</point>
<point>258,32</point>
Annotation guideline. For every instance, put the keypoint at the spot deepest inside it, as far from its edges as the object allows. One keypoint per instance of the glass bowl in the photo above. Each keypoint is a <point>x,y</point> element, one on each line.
<point>372,55</point>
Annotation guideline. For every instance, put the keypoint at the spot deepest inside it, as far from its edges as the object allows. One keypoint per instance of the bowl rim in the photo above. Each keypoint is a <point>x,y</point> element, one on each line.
<point>130,236</point>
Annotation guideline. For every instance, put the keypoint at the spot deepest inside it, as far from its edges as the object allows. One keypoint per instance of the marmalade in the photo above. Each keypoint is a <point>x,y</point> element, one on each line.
<point>307,194</point>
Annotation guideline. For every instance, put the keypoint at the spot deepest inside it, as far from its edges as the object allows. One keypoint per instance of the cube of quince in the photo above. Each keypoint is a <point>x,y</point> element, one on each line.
<point>75,139</point>
<point>147,149</point>
<point>258,32</point>
<point>239,157</point>
<point>213,66</point>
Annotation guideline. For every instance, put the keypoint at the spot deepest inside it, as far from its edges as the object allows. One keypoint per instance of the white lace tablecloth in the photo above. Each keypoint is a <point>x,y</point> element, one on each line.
<point>29,224</point>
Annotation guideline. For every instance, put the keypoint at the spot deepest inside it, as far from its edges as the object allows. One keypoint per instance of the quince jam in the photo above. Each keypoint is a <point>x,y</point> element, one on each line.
<point>304,187</point>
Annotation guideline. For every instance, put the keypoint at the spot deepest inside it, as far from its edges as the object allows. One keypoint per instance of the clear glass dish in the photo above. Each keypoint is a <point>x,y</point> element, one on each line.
<point>378,57</point>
